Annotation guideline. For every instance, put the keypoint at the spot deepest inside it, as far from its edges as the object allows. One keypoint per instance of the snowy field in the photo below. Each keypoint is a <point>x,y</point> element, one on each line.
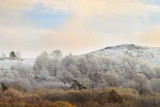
<point>6,64</point>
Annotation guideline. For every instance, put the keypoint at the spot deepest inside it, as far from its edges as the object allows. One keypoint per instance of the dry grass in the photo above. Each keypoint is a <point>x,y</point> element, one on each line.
<point>62,104</point>
<point>107,97</point>
<point>50,95</point>
<point>76,96</point>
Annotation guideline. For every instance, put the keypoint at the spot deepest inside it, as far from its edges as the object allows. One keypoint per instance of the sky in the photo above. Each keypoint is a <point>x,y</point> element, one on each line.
<point>77,26</point>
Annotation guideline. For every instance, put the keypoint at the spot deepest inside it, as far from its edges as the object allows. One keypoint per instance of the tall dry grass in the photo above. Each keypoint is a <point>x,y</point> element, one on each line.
<point>106,97</point>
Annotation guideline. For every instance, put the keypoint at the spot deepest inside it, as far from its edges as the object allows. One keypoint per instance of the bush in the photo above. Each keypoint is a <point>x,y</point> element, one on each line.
<point>18,86</point>
<point>128,103</point>
<point>4,87</point>
<point>13,93</point>
<point>108,97</point>
<point>76,96</point>
<point>114,97</point>
<point>148,101</point>
<point>90,104</point>
<point>22,104</point>
<point>62,104</point>
<point>50,95</point>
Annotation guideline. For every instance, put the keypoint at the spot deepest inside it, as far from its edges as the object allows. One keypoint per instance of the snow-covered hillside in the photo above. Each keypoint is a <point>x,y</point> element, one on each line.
<point>7,63</point>
<point>150,54</point>
<point>127,65</point>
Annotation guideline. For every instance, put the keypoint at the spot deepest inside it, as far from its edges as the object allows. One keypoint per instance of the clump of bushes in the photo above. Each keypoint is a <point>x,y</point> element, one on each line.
<point>50,95</point>
<point>77,96</point>
<point>62,104</point>
<point>107,97</point>
<point>18,86</point>
<point>114,97</point>
<point>91,104</point>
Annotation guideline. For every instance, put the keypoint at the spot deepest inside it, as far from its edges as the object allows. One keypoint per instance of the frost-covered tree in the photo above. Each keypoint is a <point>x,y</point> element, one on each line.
<point>53,85</point>
<point>97,71</point>
<point>140,83</point>
<point>68,60</point>
<point>94,63</point>
<point>155,84</point>
<point>53,66</point>
<point>113,79</point>
<point>86,81</point>
<point>57,54</point>
<point>83,65</point>
<point>41,63</point>
<point>74,70</point>
<point>46,68</point>
<point>23,71</point>
<point>44,71</point>
<point>157,72</point>
<point>96,79</point>
<point>66,77</point>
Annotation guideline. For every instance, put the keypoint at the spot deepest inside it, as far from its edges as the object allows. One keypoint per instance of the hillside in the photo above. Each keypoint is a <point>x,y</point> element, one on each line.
<point>6,64</point>
<point>149,54</point>
<point>126,66</point>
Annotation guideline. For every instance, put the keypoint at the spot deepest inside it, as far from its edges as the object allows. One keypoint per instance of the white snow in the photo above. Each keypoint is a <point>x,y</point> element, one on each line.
<point>6,64</point>
<point>149,54</point>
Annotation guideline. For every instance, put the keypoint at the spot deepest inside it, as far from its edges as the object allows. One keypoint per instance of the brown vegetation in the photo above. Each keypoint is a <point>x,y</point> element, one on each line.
<point>107,97</point>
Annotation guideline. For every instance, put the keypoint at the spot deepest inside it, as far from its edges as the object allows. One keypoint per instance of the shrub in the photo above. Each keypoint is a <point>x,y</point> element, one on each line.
<point>114,97</point>
<point>90,104</point>
<point>32,99</point>
<point>101,97</point>
<point>4,87</point>
<point>148,101</point>
<point>108,97</point>
<point>62,104</point>
<point>50,95</point>
<point>127,94</point>
<point>22,104</point>
<point>112,105</point>
<point>128,103</point>
<point>13,93</point>
<point>53,97</point>
<point>18,86</point>
<point>76,96</point>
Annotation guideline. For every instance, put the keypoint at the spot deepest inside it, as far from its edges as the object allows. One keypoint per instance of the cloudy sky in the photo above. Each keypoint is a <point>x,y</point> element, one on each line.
<point>77,26</point>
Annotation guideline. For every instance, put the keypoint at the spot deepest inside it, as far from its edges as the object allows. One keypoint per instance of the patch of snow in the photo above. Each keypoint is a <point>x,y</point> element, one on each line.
<point>150,54</point>
<point>6,64</point>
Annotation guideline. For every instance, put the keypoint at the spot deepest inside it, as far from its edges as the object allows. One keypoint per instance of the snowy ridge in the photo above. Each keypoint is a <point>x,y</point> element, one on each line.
<point>149,54</point>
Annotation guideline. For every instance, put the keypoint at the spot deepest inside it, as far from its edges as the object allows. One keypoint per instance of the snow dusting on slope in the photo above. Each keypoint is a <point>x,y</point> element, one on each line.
<point>149,54</point>
<point>6,64</point>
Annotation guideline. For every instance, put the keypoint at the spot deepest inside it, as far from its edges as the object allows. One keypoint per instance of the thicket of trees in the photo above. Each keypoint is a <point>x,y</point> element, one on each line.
<point>94,71</point>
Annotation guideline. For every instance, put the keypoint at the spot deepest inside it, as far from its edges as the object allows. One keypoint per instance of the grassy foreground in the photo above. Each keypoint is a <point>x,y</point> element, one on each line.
<point>107,97</point>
